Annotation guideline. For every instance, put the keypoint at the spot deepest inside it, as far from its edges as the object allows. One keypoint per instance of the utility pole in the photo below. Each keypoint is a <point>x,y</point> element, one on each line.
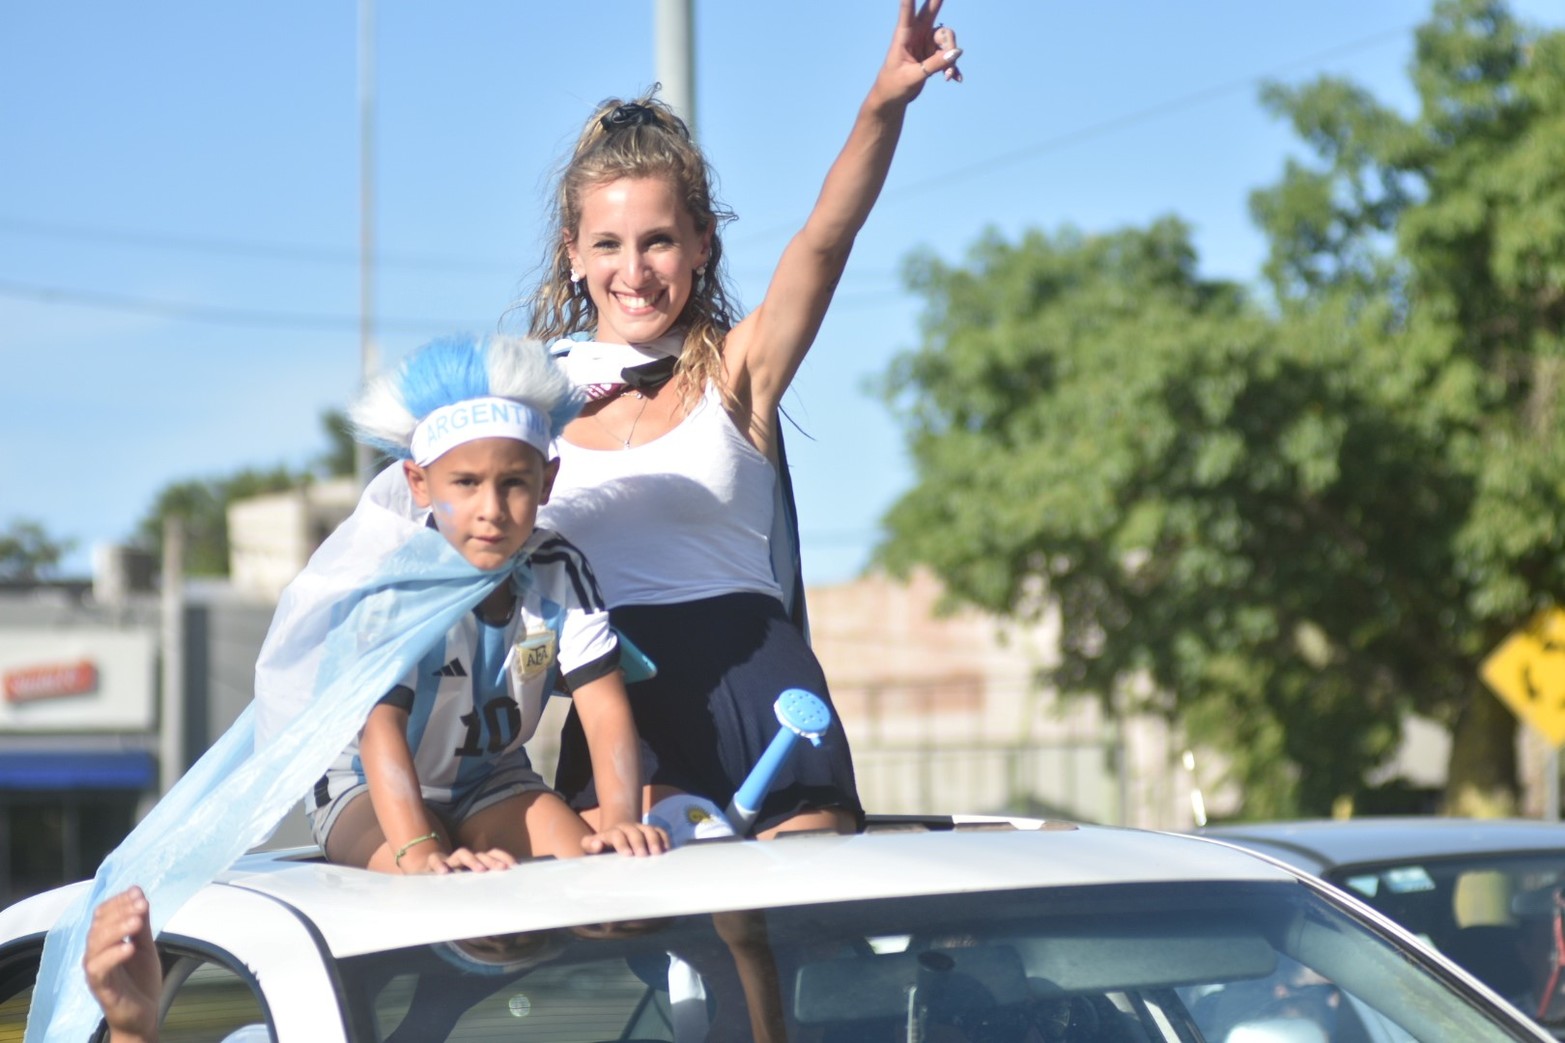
<point>369,355</point>
<point>676,67</point>
<point>171,702</point>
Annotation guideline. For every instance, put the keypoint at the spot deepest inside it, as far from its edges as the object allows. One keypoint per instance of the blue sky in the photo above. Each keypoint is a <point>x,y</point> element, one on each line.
<point>179,198</point>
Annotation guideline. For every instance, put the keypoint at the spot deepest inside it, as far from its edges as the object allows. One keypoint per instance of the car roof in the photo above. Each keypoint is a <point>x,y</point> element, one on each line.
<point>356,911</point>
<point>1321,845</point>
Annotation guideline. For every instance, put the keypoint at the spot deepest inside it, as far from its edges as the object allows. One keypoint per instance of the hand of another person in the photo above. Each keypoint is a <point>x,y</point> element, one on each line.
<point>627,838</point>
<point>920,48</point>
<point>122,966</point>
<point>442,862</point>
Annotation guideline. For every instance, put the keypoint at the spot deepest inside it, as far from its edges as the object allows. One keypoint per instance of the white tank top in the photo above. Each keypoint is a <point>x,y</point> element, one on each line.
<point>683,517</point>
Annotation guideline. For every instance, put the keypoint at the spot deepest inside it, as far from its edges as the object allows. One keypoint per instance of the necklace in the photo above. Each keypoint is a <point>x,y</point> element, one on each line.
<point>632,432</point>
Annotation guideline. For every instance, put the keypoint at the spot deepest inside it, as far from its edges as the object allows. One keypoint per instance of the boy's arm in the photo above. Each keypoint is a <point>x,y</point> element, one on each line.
<point>604,710</point>
<point>415,843</point>
<point>395,793</point>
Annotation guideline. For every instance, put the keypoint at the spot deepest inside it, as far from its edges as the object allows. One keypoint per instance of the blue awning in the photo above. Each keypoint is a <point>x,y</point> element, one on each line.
<point>36,770</point>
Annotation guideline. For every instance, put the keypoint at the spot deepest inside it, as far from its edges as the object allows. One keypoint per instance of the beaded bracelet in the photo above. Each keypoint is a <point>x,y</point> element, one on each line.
<point>397,859</point>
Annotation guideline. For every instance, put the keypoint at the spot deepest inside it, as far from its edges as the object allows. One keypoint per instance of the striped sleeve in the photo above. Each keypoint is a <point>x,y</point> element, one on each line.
<point>589,648</point>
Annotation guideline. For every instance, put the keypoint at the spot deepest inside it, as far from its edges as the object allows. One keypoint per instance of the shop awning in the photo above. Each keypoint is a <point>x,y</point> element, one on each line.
<point>38,770</point>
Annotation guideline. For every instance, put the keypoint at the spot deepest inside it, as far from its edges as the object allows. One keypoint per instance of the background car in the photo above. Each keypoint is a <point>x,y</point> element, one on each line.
<point>933,929</point>
<point>1486,892</point>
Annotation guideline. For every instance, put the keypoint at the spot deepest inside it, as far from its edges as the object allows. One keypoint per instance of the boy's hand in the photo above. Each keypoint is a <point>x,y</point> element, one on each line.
<point>627,838</point>
<point>122,966</point>
<point>442,862</point>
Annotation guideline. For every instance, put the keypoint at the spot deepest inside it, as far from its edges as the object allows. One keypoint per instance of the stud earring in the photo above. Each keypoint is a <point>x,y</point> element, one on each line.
<point>575,276</point>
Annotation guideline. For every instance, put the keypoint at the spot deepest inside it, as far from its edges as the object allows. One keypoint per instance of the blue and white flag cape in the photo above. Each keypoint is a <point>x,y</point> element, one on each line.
<point>374,598</point>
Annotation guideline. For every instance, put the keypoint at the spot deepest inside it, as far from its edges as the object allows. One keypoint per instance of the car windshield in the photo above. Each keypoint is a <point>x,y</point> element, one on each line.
<point>1227,963</point>
<point>1497,915</point>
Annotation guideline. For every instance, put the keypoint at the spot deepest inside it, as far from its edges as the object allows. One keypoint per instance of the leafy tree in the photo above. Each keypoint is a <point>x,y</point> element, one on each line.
<point>202,503</point>
<point>1284,525</point>
<point>28,552</point>
<point>338,461</point>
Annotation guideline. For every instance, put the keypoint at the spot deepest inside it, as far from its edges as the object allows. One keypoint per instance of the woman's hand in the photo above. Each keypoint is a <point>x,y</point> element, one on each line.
<point>921,48</point>
<point>627,838</point>
<point>441,862</point>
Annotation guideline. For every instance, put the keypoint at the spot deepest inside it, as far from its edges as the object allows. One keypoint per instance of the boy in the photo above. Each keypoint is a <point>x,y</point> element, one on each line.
<point>439,778</point>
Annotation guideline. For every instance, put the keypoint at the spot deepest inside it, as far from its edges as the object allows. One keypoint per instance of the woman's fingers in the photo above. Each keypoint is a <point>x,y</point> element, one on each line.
<point>943,61</point>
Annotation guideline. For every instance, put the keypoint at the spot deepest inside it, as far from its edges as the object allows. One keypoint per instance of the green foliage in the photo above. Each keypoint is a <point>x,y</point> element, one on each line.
<point>339,460</point>
<point>28,553</point>
<point>201,504</point>
<point>1297,520</point>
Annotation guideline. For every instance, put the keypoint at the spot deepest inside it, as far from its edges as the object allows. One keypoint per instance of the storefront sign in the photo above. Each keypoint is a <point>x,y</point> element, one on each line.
<point>77,680</point>
<point>52,681</point>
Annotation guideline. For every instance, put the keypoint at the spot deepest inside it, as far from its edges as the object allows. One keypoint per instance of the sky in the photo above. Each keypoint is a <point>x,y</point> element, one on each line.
<point>180,210</point>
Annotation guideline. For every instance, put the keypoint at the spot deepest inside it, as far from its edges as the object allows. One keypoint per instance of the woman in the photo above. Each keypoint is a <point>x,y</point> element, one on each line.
<point>667,477</point>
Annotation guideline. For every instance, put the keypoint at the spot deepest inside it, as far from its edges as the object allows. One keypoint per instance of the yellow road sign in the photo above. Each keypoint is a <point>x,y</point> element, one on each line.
<point>1527,671</point>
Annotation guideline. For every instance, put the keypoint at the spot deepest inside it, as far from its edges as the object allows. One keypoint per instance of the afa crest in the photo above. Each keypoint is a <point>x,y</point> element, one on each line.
<point>535,654</point>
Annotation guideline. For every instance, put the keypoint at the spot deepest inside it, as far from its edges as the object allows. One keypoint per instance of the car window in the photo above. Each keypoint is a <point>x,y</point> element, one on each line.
<point>18,971</point>
<point>1231,963</point>
<point>206,1001</point>
<point>1499,916</point>
<point>13,1014</point>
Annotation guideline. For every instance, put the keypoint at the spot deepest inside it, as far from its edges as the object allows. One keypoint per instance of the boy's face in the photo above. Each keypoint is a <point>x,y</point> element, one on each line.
<point>485,495</point>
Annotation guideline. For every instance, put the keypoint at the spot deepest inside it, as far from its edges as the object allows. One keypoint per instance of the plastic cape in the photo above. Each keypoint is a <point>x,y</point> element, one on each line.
<point>787,565</point>
<point>377,595</point>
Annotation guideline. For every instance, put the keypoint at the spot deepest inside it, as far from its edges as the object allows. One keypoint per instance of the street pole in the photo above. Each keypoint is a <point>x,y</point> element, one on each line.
<point>369,360</point>
<point>675,43</point>
<point>171,701</point>
<point>1551,786</point>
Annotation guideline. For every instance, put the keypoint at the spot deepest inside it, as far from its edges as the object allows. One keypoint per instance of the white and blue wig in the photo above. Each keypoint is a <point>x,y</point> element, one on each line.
<point>445,373</point>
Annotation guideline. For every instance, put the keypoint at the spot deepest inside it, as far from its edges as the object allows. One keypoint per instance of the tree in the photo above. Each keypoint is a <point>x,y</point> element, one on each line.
<point>339,459</point>
<point>28,553</point>
<point>202,503</point>
<point>1284,524</point>
<point>1473,192</point>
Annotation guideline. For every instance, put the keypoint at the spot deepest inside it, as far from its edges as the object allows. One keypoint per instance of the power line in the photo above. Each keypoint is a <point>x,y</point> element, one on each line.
<point>243,248</point>
<point>1116,123</point>
<point>297,252</point>
<point>1151,112</point>
<point>217,313</point>
<point>328,255</point>
<point>292,252</point>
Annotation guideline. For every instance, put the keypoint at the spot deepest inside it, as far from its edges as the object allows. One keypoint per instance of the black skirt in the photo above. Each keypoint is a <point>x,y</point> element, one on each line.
<point>707,716</point>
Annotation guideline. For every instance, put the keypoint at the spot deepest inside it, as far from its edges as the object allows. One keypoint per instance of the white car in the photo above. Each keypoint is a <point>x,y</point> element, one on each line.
<point>926,929</point>
<point>1489,893</point>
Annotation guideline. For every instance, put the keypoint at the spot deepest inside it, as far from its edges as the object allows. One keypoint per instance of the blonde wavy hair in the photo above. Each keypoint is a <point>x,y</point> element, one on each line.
<point>642,138</point>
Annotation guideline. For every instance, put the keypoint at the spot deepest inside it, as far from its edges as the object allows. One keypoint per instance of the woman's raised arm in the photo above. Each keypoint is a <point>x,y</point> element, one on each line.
<point>765,349</point>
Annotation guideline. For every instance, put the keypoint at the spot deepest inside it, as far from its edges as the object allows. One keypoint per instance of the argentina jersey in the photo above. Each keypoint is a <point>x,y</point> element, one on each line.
<point>477,695</point>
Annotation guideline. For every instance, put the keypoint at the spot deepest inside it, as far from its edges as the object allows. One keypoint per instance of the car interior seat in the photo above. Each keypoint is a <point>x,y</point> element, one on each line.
<point>1492,953</point>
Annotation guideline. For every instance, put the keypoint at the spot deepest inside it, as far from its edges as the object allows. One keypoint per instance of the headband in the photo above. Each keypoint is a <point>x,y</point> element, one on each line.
<point>450,426</point>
